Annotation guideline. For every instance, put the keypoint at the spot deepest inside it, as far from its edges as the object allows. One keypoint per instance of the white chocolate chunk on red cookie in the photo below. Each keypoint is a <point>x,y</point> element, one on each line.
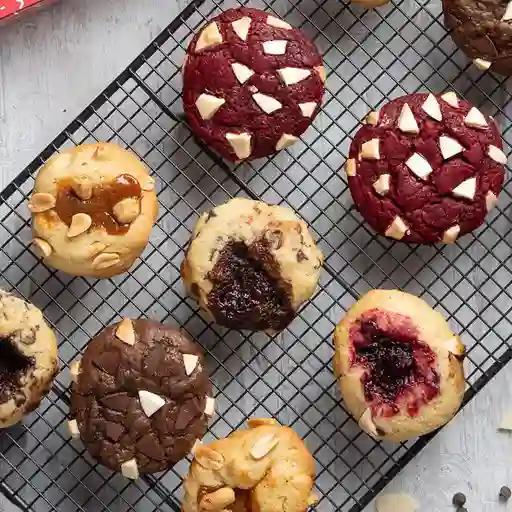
<point>130,470</point>
<point>207,105</point>
<point>406,121</point>
<point>291,76</point>
<point>190,363</point>
<point>150,402</point>
<point>308,108</point>
<point>241,27</point>
<point>370,149</point>
<point>73,429</point>
<point>431,108</point>
<point>210,36</point>
<point>475,118</point>
<point>209,408</point>
<point>372,117</point>
<point>266,103</point>
<point>285,141</point>
<point>397,229</point>
<point>449,147</point>
<point>242,72</point>
<point>419,166</point>
<point>351,167</point>
<point>241,144</point>
<point>482,64</point>
<point>490,200</point>
<point>497,154</point>
<point>275,47</point>
<point>451,98</point>
<point>451,234</point>
<point>278,23</point>
<point>466,189</point>
<point>381,186</point>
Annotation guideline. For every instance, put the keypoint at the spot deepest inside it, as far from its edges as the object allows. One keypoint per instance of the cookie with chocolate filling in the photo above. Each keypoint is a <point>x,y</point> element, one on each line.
<point>28,358</point>
<point>426,168</point>
<point>482,29</point>
<point>93,208</point>
<point>141,397</point>
<point>399,365</point>
<point>252,84</point>
<point>251,265</point>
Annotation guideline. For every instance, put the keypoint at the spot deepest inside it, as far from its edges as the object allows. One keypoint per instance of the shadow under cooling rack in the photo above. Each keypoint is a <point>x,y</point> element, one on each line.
<point>370,56</point>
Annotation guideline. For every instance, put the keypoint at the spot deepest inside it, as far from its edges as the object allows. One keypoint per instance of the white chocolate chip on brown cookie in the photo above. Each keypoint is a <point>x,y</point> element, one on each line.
<point>125,331</point>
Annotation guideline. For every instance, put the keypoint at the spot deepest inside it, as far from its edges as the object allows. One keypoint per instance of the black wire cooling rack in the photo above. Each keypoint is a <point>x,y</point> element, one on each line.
<point>370,56</point>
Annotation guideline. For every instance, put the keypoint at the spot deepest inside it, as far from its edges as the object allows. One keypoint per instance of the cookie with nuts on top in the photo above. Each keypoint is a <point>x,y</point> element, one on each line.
<point>141,397</point>
<point>265,467</point>
<point>93,208</point>
<point>251,265</point>
<point>483,31</point>
<point>252,84</point>
<point>399,365</point>
<point>426,168</point>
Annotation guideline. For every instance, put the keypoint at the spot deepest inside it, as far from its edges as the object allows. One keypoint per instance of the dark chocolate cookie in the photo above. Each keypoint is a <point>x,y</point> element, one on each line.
<point>426,168</point>
<point>483,30</point>
<point>252,84</point>
<point>141,397</point>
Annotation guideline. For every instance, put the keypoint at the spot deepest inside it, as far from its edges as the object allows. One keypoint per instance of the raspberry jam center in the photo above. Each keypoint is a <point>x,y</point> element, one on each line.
<point>399,369</point>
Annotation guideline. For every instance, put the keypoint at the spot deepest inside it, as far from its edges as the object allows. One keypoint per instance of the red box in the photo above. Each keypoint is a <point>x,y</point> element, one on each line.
<point>10,9</point>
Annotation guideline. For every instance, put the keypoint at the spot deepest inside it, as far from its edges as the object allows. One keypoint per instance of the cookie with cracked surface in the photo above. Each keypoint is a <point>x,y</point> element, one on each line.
<point>141,397</point>
<point>251,265</point>
<point>93,208</point>
<point>252,84</point>
<point>399,366</point>
<point>483,31</point>
<point>265,467</point>
<point>426,168</point>
<point>28,358</point>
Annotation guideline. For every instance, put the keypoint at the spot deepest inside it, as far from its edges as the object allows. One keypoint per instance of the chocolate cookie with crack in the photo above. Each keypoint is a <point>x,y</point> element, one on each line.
<point>426,168</point>
<point>265,467</point>
<point>141,397</point>
<point>93,208</point>
<point>399,366</point>
<point>28,358</point>
<point>483,31</point>
<point>252,84</point>
<point>251,265</point>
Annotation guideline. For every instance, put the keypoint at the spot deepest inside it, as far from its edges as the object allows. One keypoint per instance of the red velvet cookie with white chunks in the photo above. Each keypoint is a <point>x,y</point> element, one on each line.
<point>252,84</point>
<point>399,366</point>
<point>426,168</point>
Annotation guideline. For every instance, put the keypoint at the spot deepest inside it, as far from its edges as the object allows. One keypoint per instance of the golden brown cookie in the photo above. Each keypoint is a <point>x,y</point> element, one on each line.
<point>265,468</point>
<point>93,208</point>
<point>28,358</point>
<point>399,365</point>
<point>251,265</point>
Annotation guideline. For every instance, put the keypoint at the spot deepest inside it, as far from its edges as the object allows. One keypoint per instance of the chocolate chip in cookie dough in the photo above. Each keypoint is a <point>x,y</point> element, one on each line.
<point>140,407</point>
<point>13,366</point>
<point>248,292</point>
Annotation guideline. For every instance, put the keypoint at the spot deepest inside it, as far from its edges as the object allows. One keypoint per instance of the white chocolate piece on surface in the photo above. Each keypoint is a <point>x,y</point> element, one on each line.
<point>210,36</point>
<point>370,149</point>
<point>351,167</point>
<point>125,332</point>
<point>291,76</point>
<point>451,98</point>
<point>308,108</point>
<point>266,103</point>
<point>482,64</point>
<point>285,141</point>
<point>275,47</point>
<point>419,166</point>
<point>451,234</point>
<point>129,469</point>
<point>241,27</point>
<point>209,408</point>
<point>506,422</point>
<point>190,363</point>
<point>497,154</point>
<point>475,118</point>
<point>397,229</point>
<point>432,108</point>
<point>508,13</point>
<point>242,73</point>
<point>241,144</point>
<point>490,201</point>
<point>207,105</point>
<point>372,117</point>
<point>381,186</point>
<point>74,371</point>
<point>449,147</point>
<point>150,402</point>
<point>406,121</point>
<point>73,429</point>
<point>466,189</point>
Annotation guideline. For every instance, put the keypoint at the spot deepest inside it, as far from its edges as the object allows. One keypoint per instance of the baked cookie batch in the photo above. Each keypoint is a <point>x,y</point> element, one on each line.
<point>425,168</point>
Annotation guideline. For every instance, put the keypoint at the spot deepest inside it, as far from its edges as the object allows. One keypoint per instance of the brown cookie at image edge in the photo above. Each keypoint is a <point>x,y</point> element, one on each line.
<point>141,397</point>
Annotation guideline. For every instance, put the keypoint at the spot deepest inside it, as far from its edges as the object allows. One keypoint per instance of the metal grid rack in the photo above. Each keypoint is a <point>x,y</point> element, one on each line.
<point>370,56</point>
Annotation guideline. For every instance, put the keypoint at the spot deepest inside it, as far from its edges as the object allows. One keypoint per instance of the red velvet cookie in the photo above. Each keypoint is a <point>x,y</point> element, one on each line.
<point>252,84</point>
<point>426,168</point>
